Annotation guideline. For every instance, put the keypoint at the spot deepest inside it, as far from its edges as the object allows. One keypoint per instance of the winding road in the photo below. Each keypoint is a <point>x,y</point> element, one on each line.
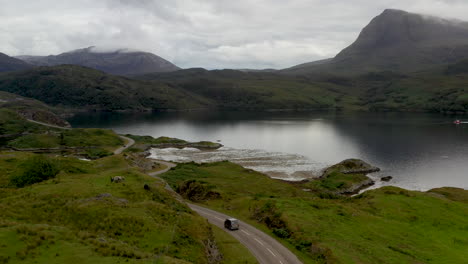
<point>48,125</point>
<point>265,248</point>
<point>129,142</point>
<point>168,165</point>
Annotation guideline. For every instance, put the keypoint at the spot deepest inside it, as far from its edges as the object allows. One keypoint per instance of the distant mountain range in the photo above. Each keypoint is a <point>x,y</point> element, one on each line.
<point>119,62</point>
<point>397,41</point>
<point>400,62</point>
<point>443,89</point>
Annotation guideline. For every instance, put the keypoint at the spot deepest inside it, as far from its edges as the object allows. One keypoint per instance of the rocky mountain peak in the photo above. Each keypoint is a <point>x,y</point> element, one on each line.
<point>401,41</point>
<point>397,27</point>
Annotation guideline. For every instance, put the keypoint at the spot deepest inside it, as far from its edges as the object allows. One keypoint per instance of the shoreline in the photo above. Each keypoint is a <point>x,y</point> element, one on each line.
<point>374,182</point>
<point>67,113</point>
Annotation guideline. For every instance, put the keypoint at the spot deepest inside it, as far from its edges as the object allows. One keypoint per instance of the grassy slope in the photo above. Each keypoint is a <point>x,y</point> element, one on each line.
<point>81,216</point>
<point>64,218</point>
<point>11,123</point>
<point>69,138</point>
<point>31,135</point>
<point>335,182</point>
<point>32,109</point>
<point>388,225</point>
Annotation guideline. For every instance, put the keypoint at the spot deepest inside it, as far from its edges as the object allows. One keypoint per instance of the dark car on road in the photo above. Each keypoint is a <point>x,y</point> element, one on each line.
<point>231,224</point>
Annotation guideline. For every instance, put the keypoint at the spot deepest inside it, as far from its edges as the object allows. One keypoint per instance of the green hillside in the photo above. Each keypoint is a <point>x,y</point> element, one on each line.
<point>81,216</point>
<point>231,89</point>
<point>19,134</point>
<point>438,90</point>
<point>387,225</point>
<point>87,89</point>
<point>441,89</point>
<point>32,109</point>
<point>57,208</point>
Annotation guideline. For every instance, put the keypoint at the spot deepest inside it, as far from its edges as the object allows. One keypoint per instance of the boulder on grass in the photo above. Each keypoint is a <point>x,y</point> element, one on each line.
<point>118,179</point>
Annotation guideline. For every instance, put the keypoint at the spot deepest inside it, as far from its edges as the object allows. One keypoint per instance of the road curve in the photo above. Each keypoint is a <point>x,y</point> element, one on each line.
<point>48,125</point>
<point>266,249</point>
<point>168,165</point>
<point>129,143</point>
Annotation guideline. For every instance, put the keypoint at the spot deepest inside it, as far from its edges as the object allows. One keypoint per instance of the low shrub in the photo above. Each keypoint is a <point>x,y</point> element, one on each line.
<point>328,195</point>
<point>35,169</point>
<point>321,254</point>
<point>197,191</point>
<point>266,212</point>
<point>303,245</point>
<point>281,232</point>
<point>97,153</point>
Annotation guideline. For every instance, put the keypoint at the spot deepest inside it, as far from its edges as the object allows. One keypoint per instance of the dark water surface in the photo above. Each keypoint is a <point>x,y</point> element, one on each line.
<point>420,151</point>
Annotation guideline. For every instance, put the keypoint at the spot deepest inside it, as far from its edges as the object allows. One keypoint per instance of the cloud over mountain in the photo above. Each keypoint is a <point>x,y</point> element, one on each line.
<point>212,34</point>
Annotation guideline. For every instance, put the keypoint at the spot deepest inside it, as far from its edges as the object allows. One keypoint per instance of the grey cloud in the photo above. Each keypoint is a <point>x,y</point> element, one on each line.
<point>203,33</point>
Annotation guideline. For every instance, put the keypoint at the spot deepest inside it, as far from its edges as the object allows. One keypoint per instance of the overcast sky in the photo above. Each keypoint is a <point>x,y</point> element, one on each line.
<point>202,33</point>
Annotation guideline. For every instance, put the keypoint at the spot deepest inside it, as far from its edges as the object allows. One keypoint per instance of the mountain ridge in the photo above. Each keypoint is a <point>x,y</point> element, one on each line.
<point>119,62</point>
<point>8,63</point>
<point>397,40</point>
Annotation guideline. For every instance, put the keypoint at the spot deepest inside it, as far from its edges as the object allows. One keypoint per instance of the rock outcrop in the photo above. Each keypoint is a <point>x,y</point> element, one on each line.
<point>345,178</point>
<point>351,166</point>
<point>386,178</point>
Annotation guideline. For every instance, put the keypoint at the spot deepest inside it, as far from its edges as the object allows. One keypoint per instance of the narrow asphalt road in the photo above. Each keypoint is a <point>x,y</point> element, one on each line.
<point>266,249</point>
<point>48,125</point>
<point>155,174</point>
<point>168,165</point>
<point>129,143</point>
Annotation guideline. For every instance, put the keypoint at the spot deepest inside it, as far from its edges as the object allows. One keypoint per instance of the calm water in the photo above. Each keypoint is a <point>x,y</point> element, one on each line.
<point>421,151</point>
